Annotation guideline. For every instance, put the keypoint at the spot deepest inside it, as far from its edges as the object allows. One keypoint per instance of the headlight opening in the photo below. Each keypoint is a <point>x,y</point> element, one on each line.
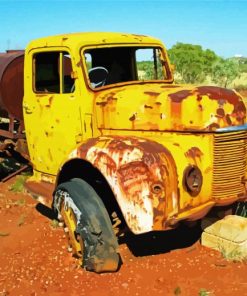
<point>192,180</point>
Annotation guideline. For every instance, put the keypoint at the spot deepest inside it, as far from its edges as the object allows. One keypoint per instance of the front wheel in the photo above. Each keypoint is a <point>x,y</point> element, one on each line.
<point>87,225</point>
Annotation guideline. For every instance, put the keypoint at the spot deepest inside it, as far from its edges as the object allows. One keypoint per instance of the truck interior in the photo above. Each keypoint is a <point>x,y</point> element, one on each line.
<point>125,64</point>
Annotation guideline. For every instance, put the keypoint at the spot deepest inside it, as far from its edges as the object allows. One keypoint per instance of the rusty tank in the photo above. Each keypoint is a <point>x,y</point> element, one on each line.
<point>11,91</point>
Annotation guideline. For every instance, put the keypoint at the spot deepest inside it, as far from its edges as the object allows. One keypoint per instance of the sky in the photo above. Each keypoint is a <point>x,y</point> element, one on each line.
<point>214,24</point>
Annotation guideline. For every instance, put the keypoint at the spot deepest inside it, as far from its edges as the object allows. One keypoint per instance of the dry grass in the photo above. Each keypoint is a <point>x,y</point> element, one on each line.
<point>18,186</point>
<point>234,255</point>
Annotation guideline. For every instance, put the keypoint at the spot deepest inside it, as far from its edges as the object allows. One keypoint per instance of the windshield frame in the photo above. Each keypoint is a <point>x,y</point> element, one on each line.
<point>163,58</point>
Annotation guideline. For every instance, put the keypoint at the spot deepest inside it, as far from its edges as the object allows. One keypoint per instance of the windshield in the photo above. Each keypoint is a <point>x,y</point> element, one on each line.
<point>112,65</point>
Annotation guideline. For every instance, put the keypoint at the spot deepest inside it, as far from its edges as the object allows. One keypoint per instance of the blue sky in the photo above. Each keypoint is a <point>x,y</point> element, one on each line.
<point>217,25</point>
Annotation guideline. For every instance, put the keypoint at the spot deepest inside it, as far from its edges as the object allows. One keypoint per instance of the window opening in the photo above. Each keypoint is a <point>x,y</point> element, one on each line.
<point>52,72</point>
<point>124,64</point>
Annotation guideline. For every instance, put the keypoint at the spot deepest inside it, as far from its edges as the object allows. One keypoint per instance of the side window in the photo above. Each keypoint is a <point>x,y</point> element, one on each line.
<point>149,64</point>
<point>52,73</point>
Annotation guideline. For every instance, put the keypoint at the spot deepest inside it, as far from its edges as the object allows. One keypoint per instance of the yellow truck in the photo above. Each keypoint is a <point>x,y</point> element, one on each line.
<point>111,140</point>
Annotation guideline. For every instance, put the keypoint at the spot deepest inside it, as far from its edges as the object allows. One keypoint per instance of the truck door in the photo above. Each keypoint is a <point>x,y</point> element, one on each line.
<point>51,110</point>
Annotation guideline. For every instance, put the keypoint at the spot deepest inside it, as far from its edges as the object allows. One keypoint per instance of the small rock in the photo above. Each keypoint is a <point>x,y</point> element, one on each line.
<point>125,285</point>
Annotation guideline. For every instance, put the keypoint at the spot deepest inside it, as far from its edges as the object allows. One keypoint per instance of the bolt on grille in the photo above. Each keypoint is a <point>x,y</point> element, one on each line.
<point>230,152</point>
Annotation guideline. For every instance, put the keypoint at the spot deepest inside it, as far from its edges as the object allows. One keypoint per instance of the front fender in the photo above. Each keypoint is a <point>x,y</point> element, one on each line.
<point>142,175</point>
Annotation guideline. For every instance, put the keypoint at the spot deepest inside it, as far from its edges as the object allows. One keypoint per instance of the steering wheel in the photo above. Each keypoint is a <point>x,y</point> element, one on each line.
<point>97,76</point>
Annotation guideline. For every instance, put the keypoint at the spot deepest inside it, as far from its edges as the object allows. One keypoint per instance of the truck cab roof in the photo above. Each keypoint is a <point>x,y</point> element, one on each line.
<point>92,38</point>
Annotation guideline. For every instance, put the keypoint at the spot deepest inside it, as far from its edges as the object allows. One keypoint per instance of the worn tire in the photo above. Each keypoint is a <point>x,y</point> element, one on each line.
<point>93,225</point>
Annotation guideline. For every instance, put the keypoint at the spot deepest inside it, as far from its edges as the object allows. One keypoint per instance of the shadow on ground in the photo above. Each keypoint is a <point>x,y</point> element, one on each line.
<point>159,242</point>
<point>152,243</point>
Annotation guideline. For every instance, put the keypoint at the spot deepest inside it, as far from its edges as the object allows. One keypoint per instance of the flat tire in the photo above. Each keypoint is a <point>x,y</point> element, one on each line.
<point>88,226</point>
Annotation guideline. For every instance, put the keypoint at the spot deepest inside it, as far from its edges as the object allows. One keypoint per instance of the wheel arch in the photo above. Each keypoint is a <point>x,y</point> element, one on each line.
<point>139,174</point>
<point>83,169</point>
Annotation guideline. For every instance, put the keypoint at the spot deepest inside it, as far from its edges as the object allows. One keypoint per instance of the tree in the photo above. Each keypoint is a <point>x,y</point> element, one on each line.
<point>225,71</point>
<point>192,63</point>
<point>242,64</point>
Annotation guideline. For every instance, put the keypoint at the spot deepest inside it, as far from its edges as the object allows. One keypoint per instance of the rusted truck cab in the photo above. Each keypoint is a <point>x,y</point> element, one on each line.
<point>103,108</point>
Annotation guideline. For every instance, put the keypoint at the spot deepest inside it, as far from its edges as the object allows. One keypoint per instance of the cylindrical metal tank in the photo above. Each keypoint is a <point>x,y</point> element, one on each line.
<point>11,83</point>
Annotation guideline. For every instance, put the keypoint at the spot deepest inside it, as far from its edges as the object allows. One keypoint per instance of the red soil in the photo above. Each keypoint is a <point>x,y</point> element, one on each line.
<point>34,260</point>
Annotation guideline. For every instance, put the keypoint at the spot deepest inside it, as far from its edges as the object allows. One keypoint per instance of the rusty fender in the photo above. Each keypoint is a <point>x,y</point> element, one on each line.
<point>142,175</point>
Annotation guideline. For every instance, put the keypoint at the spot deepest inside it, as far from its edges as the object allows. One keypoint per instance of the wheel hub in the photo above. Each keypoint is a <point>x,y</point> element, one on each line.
<point>74,238</point>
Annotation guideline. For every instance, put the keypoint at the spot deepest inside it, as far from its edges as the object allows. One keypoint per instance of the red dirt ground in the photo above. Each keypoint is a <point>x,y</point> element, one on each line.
<point>34,260</point>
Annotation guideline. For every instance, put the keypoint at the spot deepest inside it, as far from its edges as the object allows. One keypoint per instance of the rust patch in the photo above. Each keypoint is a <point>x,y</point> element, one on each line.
<point>50,100</point>
<point>148,107</point>
<point>109,95</point>
<point>83,149</point>
<point>158,213</point>
<point>169,86</point>
<point>239,112</point>
<point>151,93</point>
<point>150,159</point>
<point>179,96</point>
<point>220,112</point>
<point>104,160</point>
<point>132,175</point>
<point>133,117</point>
<point>102,104</point>
<point>228,119</point>
<point>199,98</point>
<point>213,126</point>
<point>218,93</point>
<point>194,152</point>
<point>111,98</point>
<point>79,64</point>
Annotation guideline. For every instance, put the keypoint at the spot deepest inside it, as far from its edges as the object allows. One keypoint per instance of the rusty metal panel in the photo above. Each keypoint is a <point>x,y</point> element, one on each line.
<point>11,84</point>
<point>142,175</point>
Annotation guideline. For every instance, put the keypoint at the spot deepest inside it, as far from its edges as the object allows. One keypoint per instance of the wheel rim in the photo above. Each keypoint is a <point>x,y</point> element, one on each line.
<point>74,238</point>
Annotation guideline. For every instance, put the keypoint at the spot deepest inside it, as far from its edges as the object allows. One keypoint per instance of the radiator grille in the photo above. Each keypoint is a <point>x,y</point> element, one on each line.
<point>229,164</point>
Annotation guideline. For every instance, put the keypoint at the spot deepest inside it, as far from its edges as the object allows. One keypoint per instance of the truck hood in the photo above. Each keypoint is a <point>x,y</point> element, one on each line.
<point>163,107</point>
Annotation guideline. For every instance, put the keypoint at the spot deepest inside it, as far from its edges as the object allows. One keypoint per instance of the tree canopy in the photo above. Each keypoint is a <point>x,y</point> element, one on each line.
<point>193,64</point>
<point>225,71</point>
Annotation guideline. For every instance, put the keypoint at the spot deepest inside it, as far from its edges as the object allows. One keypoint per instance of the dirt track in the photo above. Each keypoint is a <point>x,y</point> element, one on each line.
<point>34,260</point>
